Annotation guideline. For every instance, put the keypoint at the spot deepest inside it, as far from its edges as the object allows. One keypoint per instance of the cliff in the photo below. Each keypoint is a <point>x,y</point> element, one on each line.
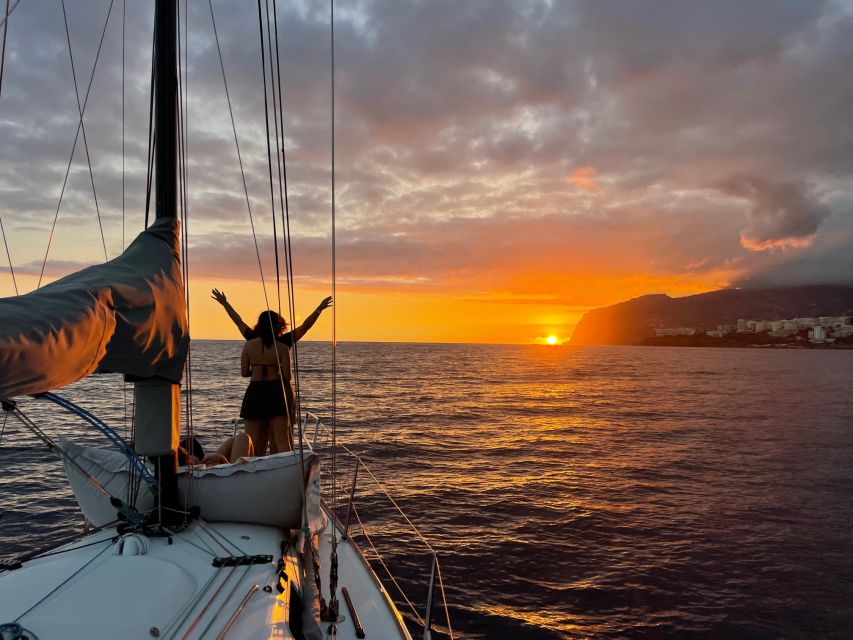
<point>631,321</point>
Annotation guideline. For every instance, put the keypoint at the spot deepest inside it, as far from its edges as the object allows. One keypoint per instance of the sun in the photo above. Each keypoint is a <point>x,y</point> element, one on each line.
<point>552,339</point>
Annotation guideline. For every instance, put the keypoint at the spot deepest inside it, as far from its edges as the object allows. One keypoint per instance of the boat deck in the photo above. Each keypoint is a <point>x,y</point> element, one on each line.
<point>369,598</point>
<point>172,590</point>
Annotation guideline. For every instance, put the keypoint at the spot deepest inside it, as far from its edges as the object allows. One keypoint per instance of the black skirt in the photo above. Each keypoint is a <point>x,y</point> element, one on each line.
<point>263,399</point>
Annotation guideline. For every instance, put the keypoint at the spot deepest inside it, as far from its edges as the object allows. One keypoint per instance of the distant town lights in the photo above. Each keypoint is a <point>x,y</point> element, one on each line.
<point>825,329</point>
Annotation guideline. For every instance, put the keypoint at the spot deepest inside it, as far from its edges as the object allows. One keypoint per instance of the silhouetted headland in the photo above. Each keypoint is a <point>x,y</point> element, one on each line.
<point>661,319</point>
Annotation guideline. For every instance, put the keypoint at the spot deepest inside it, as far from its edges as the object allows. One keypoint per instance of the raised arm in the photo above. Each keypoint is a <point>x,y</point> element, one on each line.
<point>302,329</point>
<point>232,313</point>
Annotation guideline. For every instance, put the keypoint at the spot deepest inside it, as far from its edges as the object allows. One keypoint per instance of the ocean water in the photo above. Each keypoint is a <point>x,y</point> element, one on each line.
<point>570,492</point>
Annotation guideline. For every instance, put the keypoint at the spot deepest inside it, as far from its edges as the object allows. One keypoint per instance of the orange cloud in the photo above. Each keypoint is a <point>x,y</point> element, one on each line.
<point>782,243</point>
<point>584,178</point>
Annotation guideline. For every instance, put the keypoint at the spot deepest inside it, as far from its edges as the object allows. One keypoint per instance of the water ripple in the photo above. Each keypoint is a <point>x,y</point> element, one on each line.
<point>572,493</point>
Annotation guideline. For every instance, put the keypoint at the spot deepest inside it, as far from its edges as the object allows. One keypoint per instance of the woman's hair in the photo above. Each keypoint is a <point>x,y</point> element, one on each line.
<point>270,326</point>
<point>192,447</point>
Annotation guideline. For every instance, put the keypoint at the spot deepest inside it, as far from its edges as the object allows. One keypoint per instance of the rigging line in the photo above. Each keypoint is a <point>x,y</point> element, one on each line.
<point>123,40</point>
<point>276,105</point>
<point>252,224</point>
<point>333,569</point>
<point>82,546</point>
<point>185,133</point>
<point>36,430</point>
<point>182,105</point>
<point>288,253</point>
<point>215,615</point>
<point>74,146</point>
<point>124,433</point>
<point>52,548</point>
<point>188,632</point>
<point>9,12</point>
<point>177,535</point>
<point>135,480</point>
<point>184,612</point>
<point>381,561</point>
<point>5,37</point>
<point>103,428</point>
<point>9,256</point>
<point>334,245</point>
<point>152,135</point>
<point>83,127</point>
<point>385,492</point>
<point>239,155</point>
<point>211,530</point>
<point>443,597</point>
<point>3,430</point>
<point>123,47</point>
<point>269,151</point>
<point>64,582</point>
<point>54,448</point>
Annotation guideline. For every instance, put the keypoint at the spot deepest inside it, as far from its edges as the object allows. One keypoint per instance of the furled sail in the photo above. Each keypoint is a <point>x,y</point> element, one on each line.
<point>127,316</point>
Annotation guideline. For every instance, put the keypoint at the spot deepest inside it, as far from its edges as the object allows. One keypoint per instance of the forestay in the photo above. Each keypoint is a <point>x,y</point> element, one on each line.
<point>127,316</point>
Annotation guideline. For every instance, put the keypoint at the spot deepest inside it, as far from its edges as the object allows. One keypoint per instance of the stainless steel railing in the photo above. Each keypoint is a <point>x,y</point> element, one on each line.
<point>319,438</point>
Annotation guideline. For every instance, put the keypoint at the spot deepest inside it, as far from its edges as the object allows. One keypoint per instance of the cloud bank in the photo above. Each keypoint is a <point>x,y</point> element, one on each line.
<point>575,150</point>
<point>780,216</point>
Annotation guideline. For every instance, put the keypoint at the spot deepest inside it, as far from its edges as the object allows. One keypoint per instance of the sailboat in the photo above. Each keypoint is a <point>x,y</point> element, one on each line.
<point>250,551</point>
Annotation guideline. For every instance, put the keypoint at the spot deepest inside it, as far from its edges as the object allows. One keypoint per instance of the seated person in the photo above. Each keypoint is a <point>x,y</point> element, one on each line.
<point>232,449</point>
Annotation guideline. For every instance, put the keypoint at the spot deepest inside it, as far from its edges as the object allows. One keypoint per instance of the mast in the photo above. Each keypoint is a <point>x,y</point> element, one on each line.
<point>165,109</point>
<point>158,407</point>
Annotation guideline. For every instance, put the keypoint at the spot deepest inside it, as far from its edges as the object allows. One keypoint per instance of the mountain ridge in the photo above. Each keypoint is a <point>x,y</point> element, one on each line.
<point>633,320</point>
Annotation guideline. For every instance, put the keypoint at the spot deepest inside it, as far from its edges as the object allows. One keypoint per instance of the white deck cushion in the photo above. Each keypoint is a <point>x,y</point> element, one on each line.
<point>110,469</point>
<point>261,490</point>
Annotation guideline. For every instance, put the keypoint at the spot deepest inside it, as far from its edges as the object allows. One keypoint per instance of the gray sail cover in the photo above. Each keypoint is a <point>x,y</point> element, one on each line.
<point>127,316</point>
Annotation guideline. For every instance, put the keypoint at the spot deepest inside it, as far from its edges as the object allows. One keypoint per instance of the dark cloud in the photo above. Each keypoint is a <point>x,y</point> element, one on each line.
<point>461,129</point>
<point>780,215</point>
<point>831,264</point>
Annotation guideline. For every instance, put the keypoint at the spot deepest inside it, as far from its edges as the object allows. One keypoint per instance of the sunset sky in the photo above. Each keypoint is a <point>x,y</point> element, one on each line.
<point>502,167</point>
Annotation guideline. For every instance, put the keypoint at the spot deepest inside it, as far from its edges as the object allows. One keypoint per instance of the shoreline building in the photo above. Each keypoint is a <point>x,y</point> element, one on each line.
<point>679,331</point>
<point>817,334</point>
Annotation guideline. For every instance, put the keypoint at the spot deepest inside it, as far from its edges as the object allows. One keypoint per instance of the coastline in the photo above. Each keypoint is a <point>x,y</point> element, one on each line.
<point>740,341</point>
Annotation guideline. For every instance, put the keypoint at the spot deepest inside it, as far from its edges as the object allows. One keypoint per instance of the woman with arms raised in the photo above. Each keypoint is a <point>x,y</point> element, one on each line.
<point>269,405</point>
